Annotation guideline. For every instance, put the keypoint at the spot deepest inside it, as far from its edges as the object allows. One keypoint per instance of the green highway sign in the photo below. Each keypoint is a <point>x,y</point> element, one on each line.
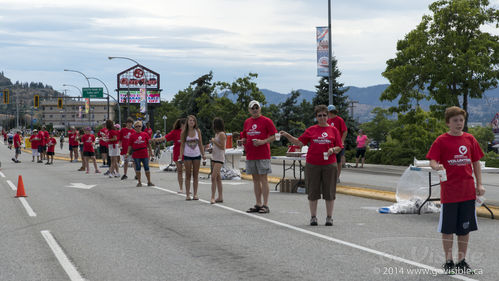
<point>93,92</point>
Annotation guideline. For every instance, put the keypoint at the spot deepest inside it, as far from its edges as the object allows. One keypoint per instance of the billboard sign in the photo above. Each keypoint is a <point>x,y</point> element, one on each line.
<point>152,96</point>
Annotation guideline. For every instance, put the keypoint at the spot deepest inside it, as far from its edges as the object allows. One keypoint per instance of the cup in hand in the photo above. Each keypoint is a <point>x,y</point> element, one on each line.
<point>277,136</point>
<point>326,156</point>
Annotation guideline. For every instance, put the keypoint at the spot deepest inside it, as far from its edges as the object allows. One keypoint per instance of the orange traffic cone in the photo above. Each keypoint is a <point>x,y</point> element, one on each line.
<point>20,188</point>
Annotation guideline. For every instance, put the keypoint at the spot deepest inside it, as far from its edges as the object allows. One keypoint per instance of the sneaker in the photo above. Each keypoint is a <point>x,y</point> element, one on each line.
<point>106,173</point>
<point>449,267</point>
<point>117,175</point>
<point>47,163</point>
<point>81,169</point>
<point>39,161</point>
<point>124,177</point>
<point>463,267</point>
<point>329,221</point>
<point>97,172</point>
<point>14,159</point>
<point>313,221</point>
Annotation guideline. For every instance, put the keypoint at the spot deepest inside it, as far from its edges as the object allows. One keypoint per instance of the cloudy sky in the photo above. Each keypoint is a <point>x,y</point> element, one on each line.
<point>185,39</point>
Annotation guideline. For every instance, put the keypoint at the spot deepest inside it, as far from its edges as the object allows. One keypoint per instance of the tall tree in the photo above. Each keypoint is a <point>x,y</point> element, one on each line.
<point>447,58</point>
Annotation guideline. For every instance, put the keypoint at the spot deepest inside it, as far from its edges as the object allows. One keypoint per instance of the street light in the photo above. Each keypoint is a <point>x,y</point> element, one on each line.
<point>164,119</point>
<point>88,82</point>
<point>330,47</point>
<point>107,91</point>
<point>145,85</point>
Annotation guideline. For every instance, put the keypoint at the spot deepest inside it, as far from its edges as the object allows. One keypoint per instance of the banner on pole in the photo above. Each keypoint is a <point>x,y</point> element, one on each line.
<point>87,106</point>
<point>79,111</point>
<point>322,51</point>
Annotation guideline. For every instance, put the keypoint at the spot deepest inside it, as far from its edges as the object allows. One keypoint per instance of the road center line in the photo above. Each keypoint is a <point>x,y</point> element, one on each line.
<point>2,175</point>
<point>328,238</point>
<point>12,185</point>
<point>28,208</point>
<point>66,264</point>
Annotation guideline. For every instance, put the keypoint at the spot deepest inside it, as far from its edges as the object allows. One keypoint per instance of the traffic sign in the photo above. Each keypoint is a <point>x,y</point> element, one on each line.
<point>93,92</point>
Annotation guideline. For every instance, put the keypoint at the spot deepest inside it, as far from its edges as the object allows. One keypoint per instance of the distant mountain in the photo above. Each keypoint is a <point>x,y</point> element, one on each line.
<point>482,110</point>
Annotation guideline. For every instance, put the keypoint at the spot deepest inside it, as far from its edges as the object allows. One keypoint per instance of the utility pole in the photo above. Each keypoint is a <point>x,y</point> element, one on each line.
<point>352,102</point>
<point>330,47</point>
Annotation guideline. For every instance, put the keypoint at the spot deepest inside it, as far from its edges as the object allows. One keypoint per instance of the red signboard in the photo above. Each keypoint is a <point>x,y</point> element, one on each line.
<point>136,78</point>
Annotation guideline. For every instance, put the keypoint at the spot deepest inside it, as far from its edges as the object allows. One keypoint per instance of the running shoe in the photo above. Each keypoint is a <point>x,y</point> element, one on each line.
<point>106,173</point>
<point>449,267</point>
<point>117,175</point>
<point>329,221</point>
<point>124,177</point>
<point>313,221</point>
<point>463,267</point>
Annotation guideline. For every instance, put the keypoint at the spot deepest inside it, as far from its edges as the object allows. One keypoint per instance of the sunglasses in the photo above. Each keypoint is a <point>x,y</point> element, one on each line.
<point>255,107</point>
<point>321,115</point>
<point>138,126</point>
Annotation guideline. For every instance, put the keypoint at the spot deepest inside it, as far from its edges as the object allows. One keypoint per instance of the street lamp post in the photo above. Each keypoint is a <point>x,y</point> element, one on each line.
<point>89,105</point>
<point>145,84</point>
<point>164,120</point>
<point>107,91</point>
<point>330,47</point>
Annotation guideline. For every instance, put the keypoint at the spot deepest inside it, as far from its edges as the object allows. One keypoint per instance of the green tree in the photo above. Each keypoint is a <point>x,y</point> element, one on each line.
<point>379,127</point>
<point>245,89</point>
<point>483,135</point>
<point>447,58</point>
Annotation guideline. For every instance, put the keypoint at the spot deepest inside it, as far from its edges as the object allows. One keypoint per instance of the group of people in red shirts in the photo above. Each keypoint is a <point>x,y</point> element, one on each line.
<point>42,146</point>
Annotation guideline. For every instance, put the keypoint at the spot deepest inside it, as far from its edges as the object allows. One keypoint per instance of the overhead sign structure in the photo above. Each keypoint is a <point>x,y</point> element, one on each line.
<point>136,79</point>
<point>322,51</point>
<point>92,92</point>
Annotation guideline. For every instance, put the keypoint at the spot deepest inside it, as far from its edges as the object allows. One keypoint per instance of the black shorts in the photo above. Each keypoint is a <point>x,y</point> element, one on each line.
<point>338,156</point>
<point>219,162</point>
<point>50,153</point>
<point>458,218</point>
<point>44,148</point>
<point>88,153</point>
<point>40,149</point>
<point>360,152</point>
<point>103,149</point>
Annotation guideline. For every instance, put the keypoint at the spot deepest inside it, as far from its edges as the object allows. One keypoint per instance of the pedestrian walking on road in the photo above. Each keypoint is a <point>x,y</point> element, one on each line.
<point>73,144</point>
<point>138,148</point>
<point>258,132</point>
<point>125,134</point>
<point>114,152</point>
<point>338,122</point>
<point>51,149</point>
<point>456,154</point>
<point>217,160</point>
<point>192,150</point>
<point>17,147</point>
<point>88,141</point>
<point>104,147</point>
<point>362,141</point>
<point>61,140</point>
<point>174,135</point>
<point>324,142</point>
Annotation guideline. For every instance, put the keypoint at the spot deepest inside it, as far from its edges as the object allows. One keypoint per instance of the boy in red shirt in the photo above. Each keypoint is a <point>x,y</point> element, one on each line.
<point>88,141</point>
<point>17,147</point>
<point>338,122</point>
<point>51,149</point>
<point>124,137</point>
<point>458,154</point>
<point>73,144</point>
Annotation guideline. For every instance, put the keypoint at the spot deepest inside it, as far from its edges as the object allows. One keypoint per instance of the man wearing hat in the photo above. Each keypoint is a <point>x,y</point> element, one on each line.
<point>338,122</point>
<point>257,134</point>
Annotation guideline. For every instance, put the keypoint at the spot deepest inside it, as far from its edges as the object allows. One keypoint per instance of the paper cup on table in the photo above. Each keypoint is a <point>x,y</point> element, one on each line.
<point>326,156</point>
<point>277,136</point>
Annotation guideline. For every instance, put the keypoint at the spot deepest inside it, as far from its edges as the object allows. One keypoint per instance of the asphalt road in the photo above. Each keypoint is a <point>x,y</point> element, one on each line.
<point>116,231</point>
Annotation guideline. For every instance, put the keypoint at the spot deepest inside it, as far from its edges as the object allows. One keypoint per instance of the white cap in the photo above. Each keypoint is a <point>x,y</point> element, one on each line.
<point>253,103</point>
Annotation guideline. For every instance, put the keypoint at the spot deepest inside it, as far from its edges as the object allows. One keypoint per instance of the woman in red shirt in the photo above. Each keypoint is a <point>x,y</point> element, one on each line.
<point>73,144</point>
<point>174,136</point>
<point>51,149</point>
<point>138,146</point>
<point>88,141</point>
<point>320,172</point>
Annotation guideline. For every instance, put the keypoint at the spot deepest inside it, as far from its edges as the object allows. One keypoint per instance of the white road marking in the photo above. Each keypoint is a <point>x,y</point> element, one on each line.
<point>225,183</point>
<point>328,238</point>
<point>30,211</point>
<point>66,264</point>
<point>12,185</point>
<point>2,175</point>
<point>80,185</point>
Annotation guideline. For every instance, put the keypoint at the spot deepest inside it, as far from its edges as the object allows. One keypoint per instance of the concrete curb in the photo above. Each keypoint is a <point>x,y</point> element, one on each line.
<point>342,189</point>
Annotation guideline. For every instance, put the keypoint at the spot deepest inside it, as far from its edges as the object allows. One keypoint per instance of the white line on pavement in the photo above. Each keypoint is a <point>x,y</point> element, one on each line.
<point>325,237</point>
<point>30,211</point>
<point>12,185</point>
<point>2,175</point>
<point>61,257</point>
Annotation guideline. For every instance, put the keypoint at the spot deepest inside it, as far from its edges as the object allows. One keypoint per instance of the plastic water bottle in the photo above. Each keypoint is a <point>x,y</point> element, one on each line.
<point>479,201</point>
<point>442,174</point>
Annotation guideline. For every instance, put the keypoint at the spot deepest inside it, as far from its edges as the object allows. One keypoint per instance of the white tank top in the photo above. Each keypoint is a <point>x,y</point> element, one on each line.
<point>191,148</point>
<point>217,153</point>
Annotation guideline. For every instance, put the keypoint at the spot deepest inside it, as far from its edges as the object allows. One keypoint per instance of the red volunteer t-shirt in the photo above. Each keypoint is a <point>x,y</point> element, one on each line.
<point>112,134</point>
<point>73,138</point>
<point>103,134</point>
<point>139,142</point>
<point>41,137</point>
<point>88,141</point>
<point>174,136</point>
<point>319,140</point>
<point>258,128</point>
<point>34,141</point>
<point>125,134</point>
<point>149,132</point>
<point>17,141</point>
<point>338,123</point>
<point>456,154</point>
<point>51,144</point>
<point>46,137</point>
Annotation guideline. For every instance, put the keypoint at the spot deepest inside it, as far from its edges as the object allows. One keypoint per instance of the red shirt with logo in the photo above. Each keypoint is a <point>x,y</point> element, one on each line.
<point>103,134</point>
<point>456,154</point>
<point>174,136</point>
<point>51,144</point>
<point>319,140</point>
<point>257,128</point>
<point>73,138</point>
<point>125,134</point>
<point>139,143</point>
<point>46,137</point>
<point>338,123</point>
<point>112,134</point>
<point>17,140</point>
<point>34,141</point>
<point>41,137</point>
<point>88,142</point>
<point>149,132</point>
